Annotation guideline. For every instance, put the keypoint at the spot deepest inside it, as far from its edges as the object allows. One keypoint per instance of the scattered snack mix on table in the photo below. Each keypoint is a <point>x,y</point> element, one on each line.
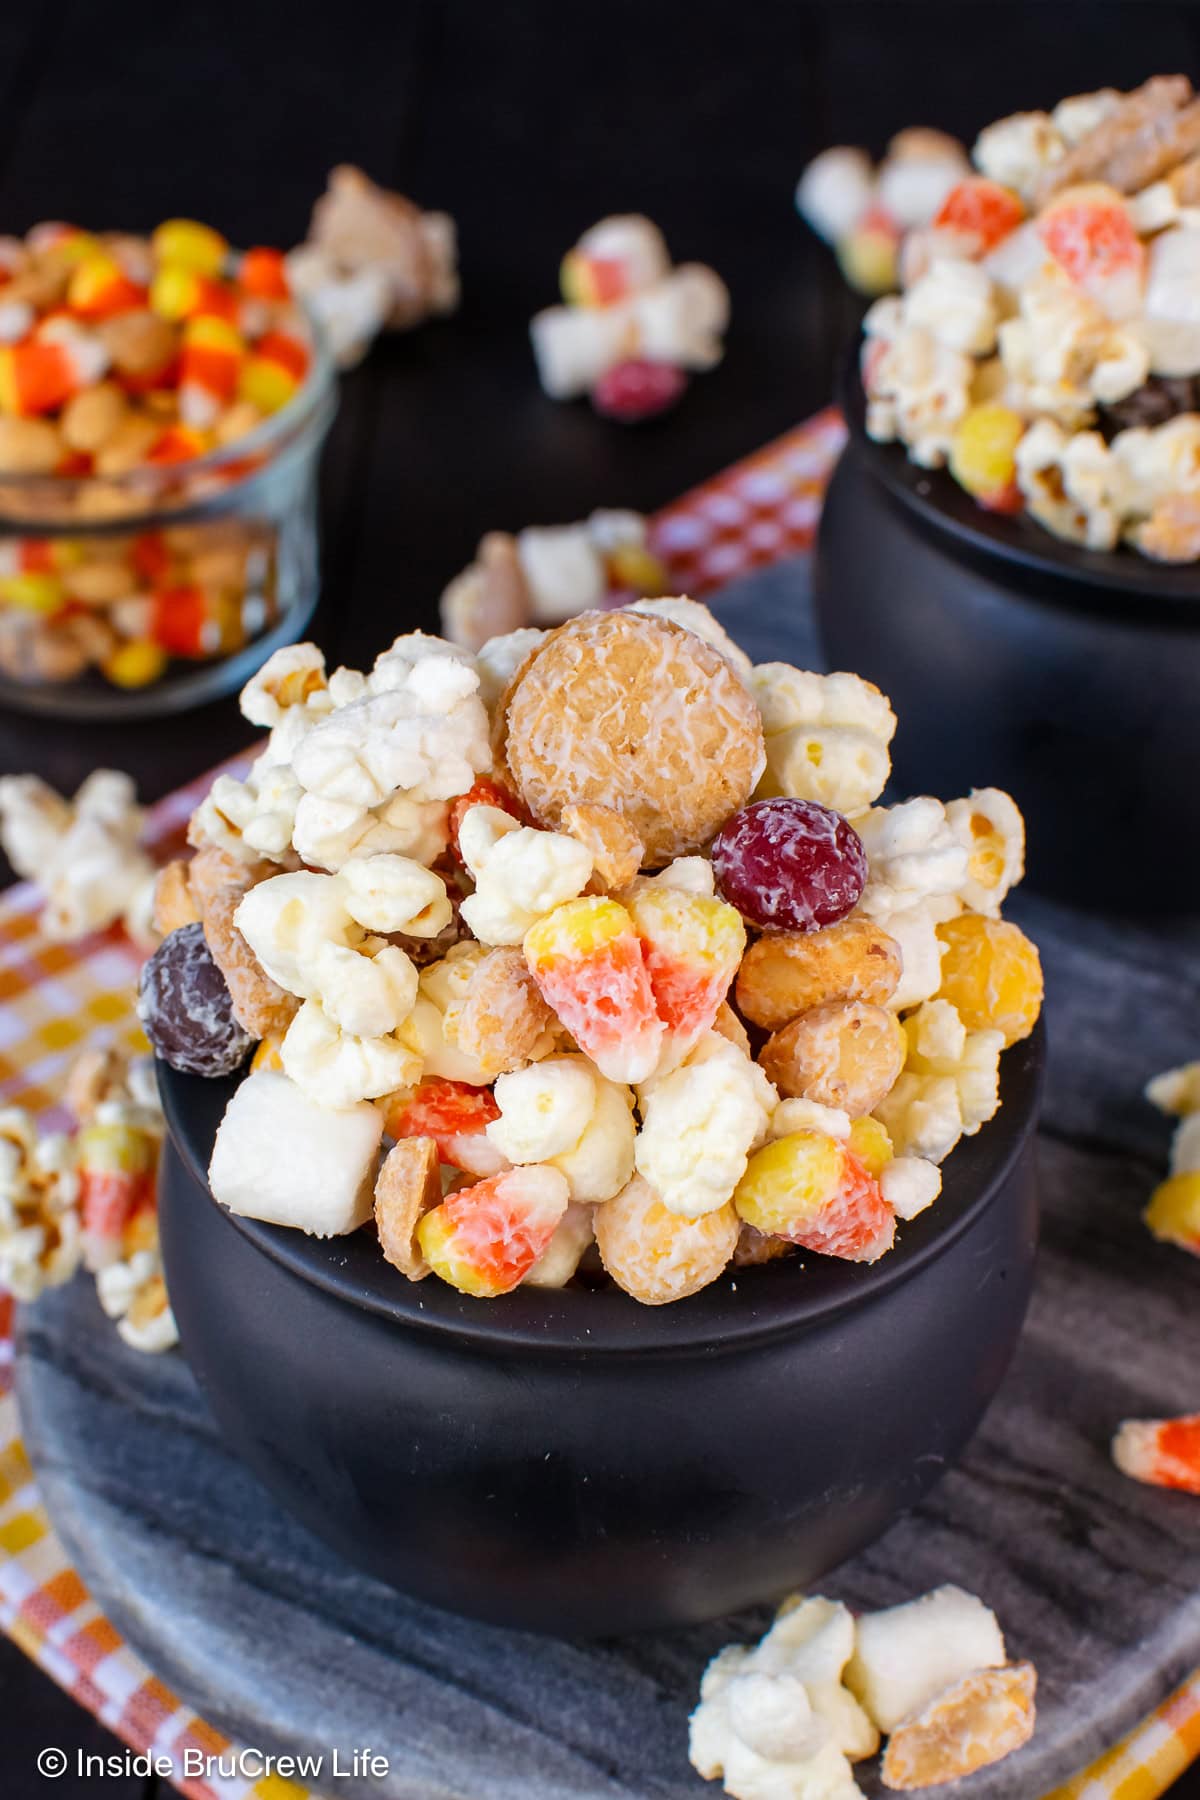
<point>787,1718</point>
<point>1045,341</point>
<point>1173,1214</point>
<point>83,854</point>
<point>88,1199</point>
<point>633,326</point>
<point>492,917</point>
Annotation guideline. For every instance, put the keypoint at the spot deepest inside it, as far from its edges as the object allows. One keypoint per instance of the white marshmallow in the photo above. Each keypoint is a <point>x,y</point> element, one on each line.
<point>280,1158</point>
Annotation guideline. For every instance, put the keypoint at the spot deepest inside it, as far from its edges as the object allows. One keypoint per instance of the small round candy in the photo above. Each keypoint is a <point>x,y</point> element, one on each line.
<point>789,865</point>
<point>186,1010</point>
<point>638,389</point>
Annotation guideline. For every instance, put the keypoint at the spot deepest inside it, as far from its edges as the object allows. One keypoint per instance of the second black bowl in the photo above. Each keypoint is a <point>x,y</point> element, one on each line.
<point>570,1461</point>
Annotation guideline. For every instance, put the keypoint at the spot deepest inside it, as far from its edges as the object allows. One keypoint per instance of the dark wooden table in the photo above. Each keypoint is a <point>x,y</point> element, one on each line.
<point>527,121</point>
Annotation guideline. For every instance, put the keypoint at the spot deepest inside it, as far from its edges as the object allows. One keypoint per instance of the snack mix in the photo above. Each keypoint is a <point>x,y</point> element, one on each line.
<point>124,360</point>
<point>1045,343</point>
<point>548,573</point>
<point>83,854</point>
<point>600,934</point>
<point>632,326</point>
<point>787,1718</point>
<point>87,1199</point>
<point>1166,1452</point>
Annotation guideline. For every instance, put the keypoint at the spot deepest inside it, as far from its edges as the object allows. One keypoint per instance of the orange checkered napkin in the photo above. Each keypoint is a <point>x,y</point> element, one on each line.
<point>52,998</point>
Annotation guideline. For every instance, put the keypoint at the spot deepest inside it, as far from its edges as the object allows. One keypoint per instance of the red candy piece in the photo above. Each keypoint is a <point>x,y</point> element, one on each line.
<point>449,1112</point>
<point>983,208</point>
<point>637,390</point>
<point>485,792</point>
<point>857,1225</point>
<point>263,273</point>
<point>1162,1452</point>
<point>789,865</point>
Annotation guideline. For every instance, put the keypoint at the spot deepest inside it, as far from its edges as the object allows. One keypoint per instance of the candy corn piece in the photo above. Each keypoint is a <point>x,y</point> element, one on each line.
<point>177,444</point>
<point>455,1115</point>
<point>1089,233</point>
<point>980,209</point>
<point>273,372</point>
<point>485,1239</point>
<point>592,280</point>
<point>869,255</point>
<point>587,961</point>
<point>811,1190</point>
<point>983,456</point>
<point>116,1165</point>
<point>1173,1214</point>
<point>189,245</point>
<point>100,288</point>
<point>1161,1452</point>
<point>692,947</point>
<point>36,377</point>
<point>32,592</point>
<point>484,792</point>
<point>263,273</point>
<point>178,293</point>
<point>209,364</point>
<point>870,1143</point>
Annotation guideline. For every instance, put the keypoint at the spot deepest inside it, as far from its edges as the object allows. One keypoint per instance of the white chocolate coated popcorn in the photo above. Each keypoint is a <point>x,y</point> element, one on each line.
<point>1067,480</point>
<point>914,928</point>
<point>913,855</point>
<point>1062,354</point>
<point>562,1111</point>
<point>699,1125</point>
<point>989,826</point>
<point>909,1184</point>
<point>501,657</point>
<point>1017,151</point>
<point>338,1068</point>
<point>826,736</point>
<point>292,677</point>
<point>281,1157</point>
<point>953,301</point>
<point>950,1085</point>
<point>521,874</point>
<point>917,387</point>
<point>82,854</point>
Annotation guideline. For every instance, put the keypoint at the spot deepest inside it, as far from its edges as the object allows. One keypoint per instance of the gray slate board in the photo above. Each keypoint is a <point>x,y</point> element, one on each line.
<point>1094,1578</point>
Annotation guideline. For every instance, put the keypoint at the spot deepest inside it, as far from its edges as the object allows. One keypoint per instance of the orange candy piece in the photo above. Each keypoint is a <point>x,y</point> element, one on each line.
<point>982,208</point>
<point>263,273</point>
<point>453,1113</point>
<point>116,1166</point>
<point>1161,1452</point>
<point>485,1239</point>
<point>811,1190</point>
<point>991,974</point>
<point>99,288</point>
<point>1089,233</point>
<point>587,961</point>
<point>692,945</point>
<point>35,377</point>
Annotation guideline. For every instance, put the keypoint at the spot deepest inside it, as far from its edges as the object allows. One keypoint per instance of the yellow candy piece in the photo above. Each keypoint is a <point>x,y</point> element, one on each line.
<point>984,448</point>
<point>190,245</point>
<point>32,592</point>
<point>1173,1214</point>
<point>576,928</point>
<point>869,1141</point>
<point>173,291</point>
<point>266,384</point>
<point>136,664</point>
<point>869,259</point>
<point>789,1182</point>
<point>268,1056</point>
<point>991,974</point>
<point>633,566</point>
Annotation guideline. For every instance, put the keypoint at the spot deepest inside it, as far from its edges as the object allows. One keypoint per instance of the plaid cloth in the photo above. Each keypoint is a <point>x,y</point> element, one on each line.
<point>52,997</point>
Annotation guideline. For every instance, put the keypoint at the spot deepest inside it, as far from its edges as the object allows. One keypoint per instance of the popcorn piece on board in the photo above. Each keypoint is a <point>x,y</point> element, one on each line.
<point>826,736</point>
<point>980,1719</point>
<point>281,1158</point>
<point>456,1117</point>
<point>587,961</point>
<point>83,854</point>
<point>786,973</point>
<point>485,1239</point>
<point>521,874</point>
<point>845,1053</point>
<point>1162,1452</point>
<point>809,1188</point>
<point>636,713</point>
<point>813,1640</point>
<point>562,1112</point>
<point>699,1124</point>
<point>408,1186</point>
<point>657,1255</point>
<point>907,1655</point>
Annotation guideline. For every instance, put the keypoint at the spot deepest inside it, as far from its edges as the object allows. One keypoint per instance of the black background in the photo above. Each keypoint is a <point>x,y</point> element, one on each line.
<point>527,120</point>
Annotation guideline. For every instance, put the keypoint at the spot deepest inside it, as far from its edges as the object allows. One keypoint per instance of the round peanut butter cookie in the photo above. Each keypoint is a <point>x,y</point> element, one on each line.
<point>639,715</point>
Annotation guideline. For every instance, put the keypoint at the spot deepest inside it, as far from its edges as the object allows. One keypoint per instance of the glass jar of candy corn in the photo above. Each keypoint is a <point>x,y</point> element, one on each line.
<point>163,402</point>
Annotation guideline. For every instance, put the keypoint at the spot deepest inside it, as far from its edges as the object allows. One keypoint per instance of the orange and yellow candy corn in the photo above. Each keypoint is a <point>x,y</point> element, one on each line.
<point>485,1239</point>
<point>586,958</point>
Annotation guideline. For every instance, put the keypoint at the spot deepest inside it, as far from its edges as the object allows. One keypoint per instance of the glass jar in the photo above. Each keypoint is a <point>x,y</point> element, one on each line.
<point>154,590</point>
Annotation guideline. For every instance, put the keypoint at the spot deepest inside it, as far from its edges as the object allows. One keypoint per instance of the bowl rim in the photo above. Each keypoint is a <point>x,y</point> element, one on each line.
<point>605,1322</point>
<point>1056,571</point>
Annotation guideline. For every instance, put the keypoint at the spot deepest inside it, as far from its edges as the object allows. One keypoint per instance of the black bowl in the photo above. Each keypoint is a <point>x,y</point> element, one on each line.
<point>1070,677</point>
<point>570,1461</point>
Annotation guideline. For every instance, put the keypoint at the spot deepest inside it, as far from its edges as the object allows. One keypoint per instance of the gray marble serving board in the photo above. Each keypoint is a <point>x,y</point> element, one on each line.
<point>1094,1578</point>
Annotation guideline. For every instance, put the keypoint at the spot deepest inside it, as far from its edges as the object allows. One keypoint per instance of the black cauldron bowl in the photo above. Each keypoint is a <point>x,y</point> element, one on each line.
<point>1070,677</point>
<point>572,1462</point>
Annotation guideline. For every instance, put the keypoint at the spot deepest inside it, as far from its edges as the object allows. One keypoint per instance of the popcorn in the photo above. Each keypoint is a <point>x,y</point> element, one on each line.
<point>1067,482</point>
<point>359,230</point>
<point>1062,354</point>
<point>909,1184</point>
<point>40,1238</point>
<point>950,1084</point>
<point>953,302</point>
<point>917,389</point>
<point>562,1112</point>
<point>1173,1214</point>
<point>1018,151</point>
<point>914,929</point>
<point>292,678</point>
<point>282,1158</point>
<point>82,854</point>
<point>699,1124</point>
<point>337,1067</point>
<point>826,736</point>
<point>990,828</point>
<point>498,660</point>
<point>520,874</point>
<point>905,1656</point>
<point>133,1293</point>
<point>914,857</point>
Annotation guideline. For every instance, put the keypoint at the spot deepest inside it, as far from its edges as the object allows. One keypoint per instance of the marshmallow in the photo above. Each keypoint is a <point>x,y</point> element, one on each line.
<point>281,1158</point>
<point>906,1655</point>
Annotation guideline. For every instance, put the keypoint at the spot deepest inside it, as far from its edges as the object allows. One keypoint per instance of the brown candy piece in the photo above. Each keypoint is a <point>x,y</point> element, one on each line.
<point>616,848</point>
<point>787,972</point>
<point>980,1719</point>
<point>846,1054</point>
<point>260,1006</point>
<point>408,1187</point>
